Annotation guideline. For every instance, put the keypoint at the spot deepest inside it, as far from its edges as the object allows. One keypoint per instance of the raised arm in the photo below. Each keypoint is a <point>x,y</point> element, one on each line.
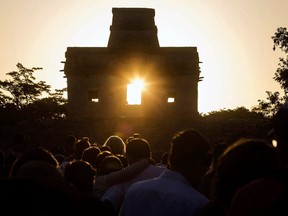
<point>127,172</point>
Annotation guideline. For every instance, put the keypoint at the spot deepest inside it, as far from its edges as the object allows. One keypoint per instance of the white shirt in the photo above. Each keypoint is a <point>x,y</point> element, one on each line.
<point>117,192</point>
<point>170,194</point>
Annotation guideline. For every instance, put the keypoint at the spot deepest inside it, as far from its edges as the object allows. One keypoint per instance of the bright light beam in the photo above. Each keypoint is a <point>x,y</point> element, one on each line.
<point>134,92</point>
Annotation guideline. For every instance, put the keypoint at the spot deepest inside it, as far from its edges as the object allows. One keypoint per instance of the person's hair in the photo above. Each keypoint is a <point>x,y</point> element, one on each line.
<point>135,135</point>
<point>123,159</point>
<point>100,157</point>
<point>80,174</point>
<point>109,164</point>
<point>80,147</point>
<point>188,147</point>
<point>105,148</point>
<point>69,144</point>
<point>242,162</point>
<point>35,154</point>
<point>116,144</point>
<point>138,148</point>
<point>38,169</point>
<point>280,123</point>
<point>90,155</point>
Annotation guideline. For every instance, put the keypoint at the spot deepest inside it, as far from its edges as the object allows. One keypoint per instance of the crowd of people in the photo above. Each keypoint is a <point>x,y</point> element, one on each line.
<point>121,177</point>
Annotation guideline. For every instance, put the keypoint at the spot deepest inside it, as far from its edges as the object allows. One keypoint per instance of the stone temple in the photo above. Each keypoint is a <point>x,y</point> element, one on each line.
<point>100,79</point>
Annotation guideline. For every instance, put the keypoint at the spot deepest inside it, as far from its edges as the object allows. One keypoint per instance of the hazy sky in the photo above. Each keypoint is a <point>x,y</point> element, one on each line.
<point>233,38</point>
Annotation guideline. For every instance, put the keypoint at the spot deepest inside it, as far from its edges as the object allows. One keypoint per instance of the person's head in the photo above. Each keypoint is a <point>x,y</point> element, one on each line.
<point>264,196</point>
<point>243,161</point>
<point>116,144</point>
<point>135,135</point>
<point>90,155</point>
<point>123,159</point>
<point>35,154</point>
<point>137,149</point>
<point>188,154</point>
<point>279,133</point>
<point>69,145</point>
<point>38,169</point>
<point>80,174</point>
<point>100,157</point>
<point>109,164</point>
<point>280,123</point>
<point>105,148</point>
<point>80,147</point>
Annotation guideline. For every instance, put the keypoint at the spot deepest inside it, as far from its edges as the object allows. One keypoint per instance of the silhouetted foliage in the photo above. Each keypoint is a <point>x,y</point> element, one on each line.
<point>238,113</point>
<point>22,98</point>
<point>281,41</point>
<point>274,100</point>
<point>228,125</point>
<point>22,86</point>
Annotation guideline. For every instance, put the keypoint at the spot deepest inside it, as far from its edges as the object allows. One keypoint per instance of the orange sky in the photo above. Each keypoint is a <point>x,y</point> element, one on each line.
<point>233,39</point>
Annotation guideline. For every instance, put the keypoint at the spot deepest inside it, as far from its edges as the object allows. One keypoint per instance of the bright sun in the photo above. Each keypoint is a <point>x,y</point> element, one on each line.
<point>134,92</point>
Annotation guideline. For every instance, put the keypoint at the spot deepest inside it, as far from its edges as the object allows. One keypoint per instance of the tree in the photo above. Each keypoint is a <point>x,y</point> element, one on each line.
<point>52,107</point>
<point>228,125</point>
<point>280,40</point>
<point>22,87</point>
<point>30,99</point>
<point>274,100</point>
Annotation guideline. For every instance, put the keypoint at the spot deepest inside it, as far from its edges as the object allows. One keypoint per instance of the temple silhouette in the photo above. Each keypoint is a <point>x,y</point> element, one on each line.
<point>99,78</point>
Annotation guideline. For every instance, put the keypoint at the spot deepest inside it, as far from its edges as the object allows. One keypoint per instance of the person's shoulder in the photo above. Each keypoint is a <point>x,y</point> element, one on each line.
<point>147,183</point>
<point>155,167</point>
<point>115,187</point>
<point>152,171</point>
<point>113,191</point>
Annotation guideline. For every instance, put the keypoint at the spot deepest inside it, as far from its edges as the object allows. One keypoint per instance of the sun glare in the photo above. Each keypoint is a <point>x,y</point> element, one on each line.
<point>274,143</point>
<point>134,92</point>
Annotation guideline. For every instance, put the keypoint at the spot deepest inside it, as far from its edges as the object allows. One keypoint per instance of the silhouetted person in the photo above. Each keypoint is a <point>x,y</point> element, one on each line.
<point>136,150</point>
<point>109,164</point>
<point>34,154</point>
<point>80,146</point>
<point>205,183</point>
<point>135,135</point>
<point>18,147</point>
<point>59,152</point>
<point>164,160</point>
<point>242,162</point>
<point>264,196</point>
<point>81,175</point>
<point>173,193</point>
<point>280,135</point>
<point>104,182</point>
<point>36,187</point>
<point>105,148</point>
<point>100,157</point>
<point>123,159</point>
<point>90,155</point>
<point>69,145</point>
<point>116,144</point>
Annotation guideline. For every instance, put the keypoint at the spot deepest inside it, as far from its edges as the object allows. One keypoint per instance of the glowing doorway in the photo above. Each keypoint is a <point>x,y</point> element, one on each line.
<point>134,92</point>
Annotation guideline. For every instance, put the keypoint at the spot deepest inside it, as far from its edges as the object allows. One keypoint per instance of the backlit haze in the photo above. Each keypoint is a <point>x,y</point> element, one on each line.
<point>233,39</point>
